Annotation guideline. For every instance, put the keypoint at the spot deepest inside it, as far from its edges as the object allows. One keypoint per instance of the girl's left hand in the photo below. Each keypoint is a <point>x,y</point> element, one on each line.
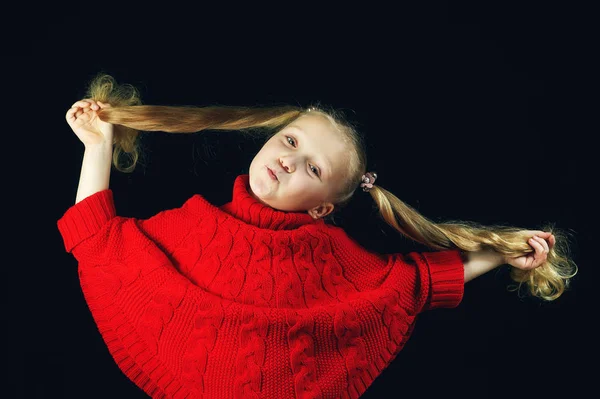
<point>541,242</point>
<point>85,123</point>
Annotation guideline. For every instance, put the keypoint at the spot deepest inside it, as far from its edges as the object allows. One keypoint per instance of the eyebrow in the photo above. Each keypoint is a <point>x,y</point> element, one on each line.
<point>324,160</point>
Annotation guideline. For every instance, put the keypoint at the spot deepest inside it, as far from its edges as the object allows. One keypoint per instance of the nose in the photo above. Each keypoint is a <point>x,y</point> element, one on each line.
<point>286,165</point>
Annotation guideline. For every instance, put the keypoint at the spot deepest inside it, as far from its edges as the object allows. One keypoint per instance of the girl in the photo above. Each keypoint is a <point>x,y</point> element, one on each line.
<point>261,297</point>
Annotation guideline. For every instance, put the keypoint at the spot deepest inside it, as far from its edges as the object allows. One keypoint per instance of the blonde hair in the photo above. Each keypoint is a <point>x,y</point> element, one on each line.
<point>548,281</point>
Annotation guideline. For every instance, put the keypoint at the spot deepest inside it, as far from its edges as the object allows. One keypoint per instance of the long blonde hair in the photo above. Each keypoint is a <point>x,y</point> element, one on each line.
<point>549,281</point>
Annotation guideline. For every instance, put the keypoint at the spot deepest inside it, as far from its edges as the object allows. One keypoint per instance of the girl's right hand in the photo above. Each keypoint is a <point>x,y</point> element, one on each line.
<point>542,242</point>
<point>84,121</point>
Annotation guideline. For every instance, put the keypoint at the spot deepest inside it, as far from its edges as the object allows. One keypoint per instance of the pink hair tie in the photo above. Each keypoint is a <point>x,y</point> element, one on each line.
<point>368,179</point>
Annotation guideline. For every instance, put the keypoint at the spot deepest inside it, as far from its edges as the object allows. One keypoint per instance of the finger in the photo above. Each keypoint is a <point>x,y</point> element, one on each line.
<point>71,117</point>
<point>93,104</point>
<point>534,260</point>
<point>81,104</point>
<point>539,233</point>
<point>543,243</point>
<point>87,102</point>
<point>535,245</point>
<point>552,241</point>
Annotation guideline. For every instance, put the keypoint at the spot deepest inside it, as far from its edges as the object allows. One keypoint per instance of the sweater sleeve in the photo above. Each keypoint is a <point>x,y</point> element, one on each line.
<point>446,278</point>
<point>96,215</point>
<point>130,283</point>
<point>426,280</point>
<point>423,281</point>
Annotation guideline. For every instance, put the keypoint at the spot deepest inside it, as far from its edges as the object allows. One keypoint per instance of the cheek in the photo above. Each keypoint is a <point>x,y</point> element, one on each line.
<point>267,152</point>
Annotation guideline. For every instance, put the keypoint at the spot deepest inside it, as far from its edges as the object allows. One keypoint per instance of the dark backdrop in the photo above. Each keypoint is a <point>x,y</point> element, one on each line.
<point>471,112</point>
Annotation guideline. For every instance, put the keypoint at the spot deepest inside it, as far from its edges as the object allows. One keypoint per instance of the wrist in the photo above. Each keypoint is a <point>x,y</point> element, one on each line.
<point>497,257</point>
<point>100,147</point>
<point>95,170</point>
<point>481,262</point>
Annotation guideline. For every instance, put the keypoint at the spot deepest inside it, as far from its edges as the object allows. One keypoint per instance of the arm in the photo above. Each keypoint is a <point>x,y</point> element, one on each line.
<point>94,211</point>
<point>97,137</point>
<point>477,263</point>
<point>91,228</point>
<point>95,170</point>
<point>480,262</point>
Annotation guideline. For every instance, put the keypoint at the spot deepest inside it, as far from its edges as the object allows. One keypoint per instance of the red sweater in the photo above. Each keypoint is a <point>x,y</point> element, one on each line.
<point>244,301</point>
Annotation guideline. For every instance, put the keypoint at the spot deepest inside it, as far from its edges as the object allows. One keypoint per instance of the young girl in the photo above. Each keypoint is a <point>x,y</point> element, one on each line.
<point>261,298</point>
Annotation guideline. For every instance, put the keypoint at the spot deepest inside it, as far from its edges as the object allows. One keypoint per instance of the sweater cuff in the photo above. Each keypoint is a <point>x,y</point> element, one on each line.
<point>446,271</point>
<point>86,217</point>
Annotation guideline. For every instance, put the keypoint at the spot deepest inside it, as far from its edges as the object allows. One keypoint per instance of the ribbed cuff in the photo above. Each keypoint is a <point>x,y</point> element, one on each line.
<point>447,276</point>
<point>86,217</point>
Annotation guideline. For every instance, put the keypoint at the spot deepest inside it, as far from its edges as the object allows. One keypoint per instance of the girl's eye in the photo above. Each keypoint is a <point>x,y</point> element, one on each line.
<point>313,168</point>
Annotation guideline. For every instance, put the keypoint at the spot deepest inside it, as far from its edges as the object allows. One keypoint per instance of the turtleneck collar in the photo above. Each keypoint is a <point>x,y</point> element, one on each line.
<point>245,207</point>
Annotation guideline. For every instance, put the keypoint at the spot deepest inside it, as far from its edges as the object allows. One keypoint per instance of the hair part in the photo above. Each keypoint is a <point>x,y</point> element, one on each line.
<point>548,282</point>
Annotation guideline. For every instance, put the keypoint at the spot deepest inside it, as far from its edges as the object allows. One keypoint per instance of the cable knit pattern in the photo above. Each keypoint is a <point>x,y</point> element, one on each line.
<point>244,301</point>
<point>251,353</point>
<point>301,330</point>
<point>351,345</point>
<point>207,322</point>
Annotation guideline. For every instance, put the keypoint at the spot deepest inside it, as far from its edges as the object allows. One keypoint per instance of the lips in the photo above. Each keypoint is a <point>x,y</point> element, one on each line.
<point>272,173</point>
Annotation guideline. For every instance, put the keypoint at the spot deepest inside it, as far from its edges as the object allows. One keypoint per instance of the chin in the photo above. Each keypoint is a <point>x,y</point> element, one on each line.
<point>256,189</point>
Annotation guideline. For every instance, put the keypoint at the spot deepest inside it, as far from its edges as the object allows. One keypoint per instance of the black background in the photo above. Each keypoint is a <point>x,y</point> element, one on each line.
<point>471,112</point>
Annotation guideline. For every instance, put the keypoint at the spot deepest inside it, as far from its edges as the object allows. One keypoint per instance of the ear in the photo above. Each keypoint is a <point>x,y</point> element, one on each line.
<point>321,210</point>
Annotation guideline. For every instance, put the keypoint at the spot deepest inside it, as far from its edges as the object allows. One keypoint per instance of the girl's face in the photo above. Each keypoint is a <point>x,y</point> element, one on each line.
<point>308,159</point>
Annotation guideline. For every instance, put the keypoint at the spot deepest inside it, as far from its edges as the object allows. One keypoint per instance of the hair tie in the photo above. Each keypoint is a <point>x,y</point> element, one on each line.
<point>368,179</point>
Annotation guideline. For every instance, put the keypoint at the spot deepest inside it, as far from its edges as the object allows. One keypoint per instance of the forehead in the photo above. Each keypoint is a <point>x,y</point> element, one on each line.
<point>321,137</point>
<point>318,127</point>
<point>314,122</point>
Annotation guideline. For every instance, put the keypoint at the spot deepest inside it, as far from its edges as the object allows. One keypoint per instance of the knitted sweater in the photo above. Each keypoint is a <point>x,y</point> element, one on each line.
<point>245,301</point>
